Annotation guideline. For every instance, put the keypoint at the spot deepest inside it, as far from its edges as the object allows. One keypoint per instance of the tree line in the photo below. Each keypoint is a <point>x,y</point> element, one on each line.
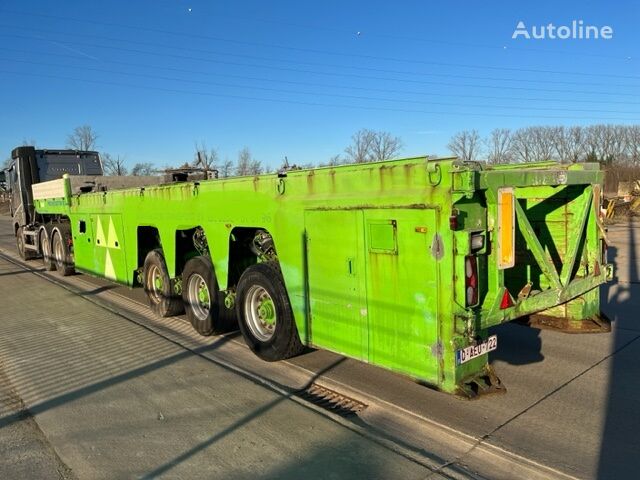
<point>605,143</point>
<point>366,146</point>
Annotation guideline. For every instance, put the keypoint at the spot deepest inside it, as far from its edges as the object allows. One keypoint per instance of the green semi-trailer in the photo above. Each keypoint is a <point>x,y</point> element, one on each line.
<point>405,264</point>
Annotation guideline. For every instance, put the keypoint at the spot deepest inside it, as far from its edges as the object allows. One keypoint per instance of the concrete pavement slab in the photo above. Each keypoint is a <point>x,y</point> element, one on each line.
<point>117,401</point>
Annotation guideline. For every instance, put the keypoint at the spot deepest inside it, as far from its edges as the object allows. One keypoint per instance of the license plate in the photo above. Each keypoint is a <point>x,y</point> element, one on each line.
<point>469,353</point>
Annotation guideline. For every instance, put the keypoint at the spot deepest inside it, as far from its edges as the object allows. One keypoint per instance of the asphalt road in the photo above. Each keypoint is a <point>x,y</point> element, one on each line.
<point>571,403</point>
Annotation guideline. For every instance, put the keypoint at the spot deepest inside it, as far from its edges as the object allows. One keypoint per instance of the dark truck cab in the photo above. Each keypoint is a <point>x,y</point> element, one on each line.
<point>30,166</point>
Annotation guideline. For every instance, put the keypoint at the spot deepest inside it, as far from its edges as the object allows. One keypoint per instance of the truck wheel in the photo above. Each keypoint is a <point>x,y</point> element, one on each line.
<point>61,250</point>
<point>264,313</point>
<point>201,297</point>
<point>48,261</point>
<point>24,253</point>
<point>157,286</point>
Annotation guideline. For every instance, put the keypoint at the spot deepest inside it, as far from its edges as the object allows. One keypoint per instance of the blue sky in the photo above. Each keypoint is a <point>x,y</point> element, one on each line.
<point>299,78</point>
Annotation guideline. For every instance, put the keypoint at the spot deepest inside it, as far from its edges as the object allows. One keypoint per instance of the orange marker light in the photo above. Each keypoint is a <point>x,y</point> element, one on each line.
<point>506,228</point>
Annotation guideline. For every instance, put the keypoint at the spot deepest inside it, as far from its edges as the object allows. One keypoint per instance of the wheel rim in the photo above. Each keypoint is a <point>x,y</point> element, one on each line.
<point>199,296</point>
<point>260,313</point>
<point>44,246</point>
<point>58,252</point>
<point>155,284</point>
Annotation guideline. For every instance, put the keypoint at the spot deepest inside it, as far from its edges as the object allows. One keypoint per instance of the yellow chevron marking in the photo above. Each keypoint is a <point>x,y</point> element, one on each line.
<point>112,237</point>
<point>101,241</point>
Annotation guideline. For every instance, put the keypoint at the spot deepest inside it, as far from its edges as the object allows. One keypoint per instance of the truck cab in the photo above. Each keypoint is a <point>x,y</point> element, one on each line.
<point>30,166</point>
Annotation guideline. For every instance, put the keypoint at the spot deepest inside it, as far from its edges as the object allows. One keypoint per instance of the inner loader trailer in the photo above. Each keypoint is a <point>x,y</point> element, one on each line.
<point>405,264</point>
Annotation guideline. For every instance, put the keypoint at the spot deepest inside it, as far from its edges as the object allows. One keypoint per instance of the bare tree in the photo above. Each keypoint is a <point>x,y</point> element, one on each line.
<point>619,144</point>
<point>255,167</point>
<point>370,146</point>
<point>568,143</point>
<point>466,145</point>
<point>207,159</point>
<point>607,143</point>
<point>575,148</point>
<point>611,144</point>
<point>384,146</point>
<point>499,146</point>
<point>226,169</point>
<point>541,141</point>
<point>82,138</point>
<point>336,160</point>
<point>521,146</point>
<point>533,144</point>
<point>141,169</point>
<point>113,166</point>
<point>360,150</point>
<point>633,144</point>
<point>244,162</point>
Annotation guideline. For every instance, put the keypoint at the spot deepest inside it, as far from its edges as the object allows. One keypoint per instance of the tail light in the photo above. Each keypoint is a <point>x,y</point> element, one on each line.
<point>453,220</point>
<point>471,280</point>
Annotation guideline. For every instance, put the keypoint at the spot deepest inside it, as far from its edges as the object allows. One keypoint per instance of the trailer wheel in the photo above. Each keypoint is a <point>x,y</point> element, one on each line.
<point>157,286</point>
<point>61,250</point>
<point>264,313</point>
<point>24,253</point>
<point>48,261</point>
<point>201,297</point>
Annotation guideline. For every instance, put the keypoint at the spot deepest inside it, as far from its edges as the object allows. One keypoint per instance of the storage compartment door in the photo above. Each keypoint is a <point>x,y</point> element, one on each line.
<point>336,281</point>
<point>402,290</point>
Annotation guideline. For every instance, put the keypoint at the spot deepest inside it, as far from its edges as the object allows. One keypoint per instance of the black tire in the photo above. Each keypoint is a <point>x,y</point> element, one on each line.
<point>24,253</point>
<point>207,314</point>
<point>48,262</point>
<point>262,285</point>
<point>61,250</point>
<point>157,285</point>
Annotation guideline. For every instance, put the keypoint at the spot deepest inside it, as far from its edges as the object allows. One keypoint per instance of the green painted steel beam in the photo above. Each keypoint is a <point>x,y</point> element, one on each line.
<point>544,300</point>
<point>576,231</point>
<point>530,178</point>
<point>544,262</point>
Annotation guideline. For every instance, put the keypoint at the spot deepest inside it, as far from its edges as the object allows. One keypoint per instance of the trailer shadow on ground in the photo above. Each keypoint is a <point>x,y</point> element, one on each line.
<point>621,301</point>
<point>519,344</point>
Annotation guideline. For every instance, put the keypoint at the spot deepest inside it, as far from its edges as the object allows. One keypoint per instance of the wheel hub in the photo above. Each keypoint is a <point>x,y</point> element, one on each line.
<point>203,294</point>
<point>154,280</point>
<point>266,312</point>
<point>260,313</point>
<point>199,296</point>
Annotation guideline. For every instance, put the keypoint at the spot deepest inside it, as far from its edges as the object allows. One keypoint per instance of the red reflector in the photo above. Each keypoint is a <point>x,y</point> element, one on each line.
<point>506,300</point>
<point>453,222</point>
